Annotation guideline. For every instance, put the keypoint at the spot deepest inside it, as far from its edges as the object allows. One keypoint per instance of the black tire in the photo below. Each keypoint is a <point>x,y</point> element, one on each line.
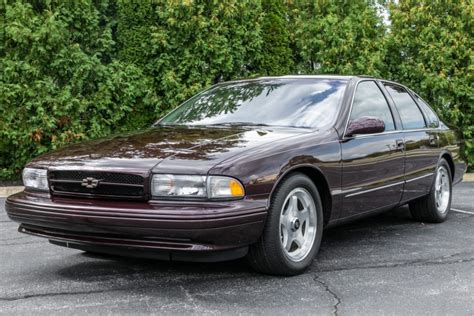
<point>268,254</point>
<point>426,209</point>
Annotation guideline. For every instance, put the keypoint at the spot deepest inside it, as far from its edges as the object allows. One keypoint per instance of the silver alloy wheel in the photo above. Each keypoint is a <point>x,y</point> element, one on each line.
<point>442,189</point>
<point>298,224</point>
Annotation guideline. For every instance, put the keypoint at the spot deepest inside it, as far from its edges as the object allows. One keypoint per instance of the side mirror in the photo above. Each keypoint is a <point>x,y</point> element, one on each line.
<point>365,125</point>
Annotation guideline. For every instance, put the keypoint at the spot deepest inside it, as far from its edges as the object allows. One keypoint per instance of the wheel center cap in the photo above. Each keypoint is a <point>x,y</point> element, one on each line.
<point>295,224</point>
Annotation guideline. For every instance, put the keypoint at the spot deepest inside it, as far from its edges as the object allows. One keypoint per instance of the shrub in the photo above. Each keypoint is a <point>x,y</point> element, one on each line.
<point>277,54</point>
<point>59,82</point>
<point>72,70</point>
<point>345,37</point>
<point>195,44</point>
<point>431,50</point>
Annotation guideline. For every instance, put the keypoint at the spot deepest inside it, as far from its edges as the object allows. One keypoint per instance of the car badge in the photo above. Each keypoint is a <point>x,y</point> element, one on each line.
<point>90,183</point>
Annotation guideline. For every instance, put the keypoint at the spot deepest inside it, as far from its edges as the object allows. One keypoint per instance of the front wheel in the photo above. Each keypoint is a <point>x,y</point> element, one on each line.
<point>293,229</point>
<point>434,208</point>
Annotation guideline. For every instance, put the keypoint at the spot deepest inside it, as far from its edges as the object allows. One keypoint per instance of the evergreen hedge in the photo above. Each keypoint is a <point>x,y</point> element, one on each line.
<point>72,70</point>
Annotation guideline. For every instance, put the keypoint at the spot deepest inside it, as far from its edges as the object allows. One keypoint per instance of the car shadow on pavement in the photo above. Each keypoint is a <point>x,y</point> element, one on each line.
<point>93,267</point>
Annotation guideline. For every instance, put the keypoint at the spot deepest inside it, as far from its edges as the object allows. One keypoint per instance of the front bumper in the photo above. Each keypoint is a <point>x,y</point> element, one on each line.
<point>185,229</point>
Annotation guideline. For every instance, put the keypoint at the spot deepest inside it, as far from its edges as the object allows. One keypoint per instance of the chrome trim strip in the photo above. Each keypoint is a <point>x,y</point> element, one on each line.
<point>337,192</point>
<point>375,189</point>
<point>397,131</point>
<point>426,129</point>
<point>377,134</point>
<point>421,177</point>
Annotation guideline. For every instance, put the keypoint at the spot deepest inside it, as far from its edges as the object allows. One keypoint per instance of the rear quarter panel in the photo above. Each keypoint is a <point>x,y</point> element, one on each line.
<point>452,143</point>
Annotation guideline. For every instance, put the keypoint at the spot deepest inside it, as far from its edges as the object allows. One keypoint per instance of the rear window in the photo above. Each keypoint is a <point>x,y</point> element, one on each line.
<point>431,116</point>
<point>410,113</point>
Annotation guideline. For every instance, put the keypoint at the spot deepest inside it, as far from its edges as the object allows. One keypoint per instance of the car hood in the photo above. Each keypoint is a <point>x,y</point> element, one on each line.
<point>177,149</point>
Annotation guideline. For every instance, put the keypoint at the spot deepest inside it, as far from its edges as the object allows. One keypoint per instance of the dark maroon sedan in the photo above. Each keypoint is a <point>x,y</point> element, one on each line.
<point>254,168</point>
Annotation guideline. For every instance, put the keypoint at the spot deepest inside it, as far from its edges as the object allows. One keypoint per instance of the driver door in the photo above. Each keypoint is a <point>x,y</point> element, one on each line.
<point>373,164</point>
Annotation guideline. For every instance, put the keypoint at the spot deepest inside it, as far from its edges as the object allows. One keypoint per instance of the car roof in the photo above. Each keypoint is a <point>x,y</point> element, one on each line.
<point>308,77</point>
<point>292,77</point>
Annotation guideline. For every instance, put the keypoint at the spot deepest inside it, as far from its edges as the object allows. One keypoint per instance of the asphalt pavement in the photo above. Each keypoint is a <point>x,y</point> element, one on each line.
<point>387,264</point>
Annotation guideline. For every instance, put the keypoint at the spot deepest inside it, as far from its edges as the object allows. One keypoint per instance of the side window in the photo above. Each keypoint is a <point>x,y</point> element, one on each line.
<point>370,101</point>
<point>410,114</point>
<point>433,120</point>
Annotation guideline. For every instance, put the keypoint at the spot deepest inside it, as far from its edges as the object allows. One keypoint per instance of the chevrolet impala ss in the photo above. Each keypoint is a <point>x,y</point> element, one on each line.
<point>254,168</point>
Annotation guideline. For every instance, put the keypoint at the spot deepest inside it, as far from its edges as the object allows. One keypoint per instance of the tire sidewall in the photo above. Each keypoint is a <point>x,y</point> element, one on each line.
<point>441,216</point>
<point>293,181</point>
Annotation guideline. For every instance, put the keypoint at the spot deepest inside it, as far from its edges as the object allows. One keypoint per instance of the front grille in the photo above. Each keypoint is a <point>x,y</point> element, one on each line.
<point>100,184</point>
<point>111,177</point>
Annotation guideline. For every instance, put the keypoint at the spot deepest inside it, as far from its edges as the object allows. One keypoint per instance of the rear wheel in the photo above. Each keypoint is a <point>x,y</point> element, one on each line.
<point>293,229</point>
<point>434,208</point>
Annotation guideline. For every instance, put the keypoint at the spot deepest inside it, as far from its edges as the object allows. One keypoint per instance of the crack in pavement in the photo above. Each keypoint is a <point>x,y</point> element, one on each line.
<point>432,261</point>
<point>27,296</point>
<point>21,243</point>
<point>120,289</point>
<point>421,262</point>
<point>15,238</point>
<point>189,297</point>
<point>331,292</point>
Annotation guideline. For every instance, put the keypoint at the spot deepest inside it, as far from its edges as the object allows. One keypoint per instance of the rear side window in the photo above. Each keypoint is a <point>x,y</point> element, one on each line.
<point>410,113</point>
<point>370,101</point>
<point>431,116</point>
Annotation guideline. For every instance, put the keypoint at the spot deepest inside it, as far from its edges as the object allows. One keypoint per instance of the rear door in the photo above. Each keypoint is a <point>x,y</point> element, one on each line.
<point>421,143</point>
<point>373,164</point>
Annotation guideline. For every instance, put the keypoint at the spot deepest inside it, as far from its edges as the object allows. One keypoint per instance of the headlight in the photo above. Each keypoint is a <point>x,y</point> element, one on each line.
<point>35,179</point>
<point>225,187</point>
<point>168,185</point>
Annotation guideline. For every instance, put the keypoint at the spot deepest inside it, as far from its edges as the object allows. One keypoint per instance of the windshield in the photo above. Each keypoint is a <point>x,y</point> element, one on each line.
<point>311,103</point>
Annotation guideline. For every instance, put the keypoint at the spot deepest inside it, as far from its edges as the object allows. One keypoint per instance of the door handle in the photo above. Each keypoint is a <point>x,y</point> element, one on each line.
<point>400,144</point>
<point>433,139</point>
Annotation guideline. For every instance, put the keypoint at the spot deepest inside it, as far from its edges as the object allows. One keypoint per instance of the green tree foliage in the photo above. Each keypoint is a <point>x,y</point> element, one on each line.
<point>59,82</point>
<point>134,22</point>
<point>431,51</point>
<point>277,55</point>
<point>190,45</point>
<point>338,37</point>
<point>71,70</point>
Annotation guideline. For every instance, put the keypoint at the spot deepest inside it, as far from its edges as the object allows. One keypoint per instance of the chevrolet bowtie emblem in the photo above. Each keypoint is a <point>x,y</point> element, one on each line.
<point>90,183</point>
